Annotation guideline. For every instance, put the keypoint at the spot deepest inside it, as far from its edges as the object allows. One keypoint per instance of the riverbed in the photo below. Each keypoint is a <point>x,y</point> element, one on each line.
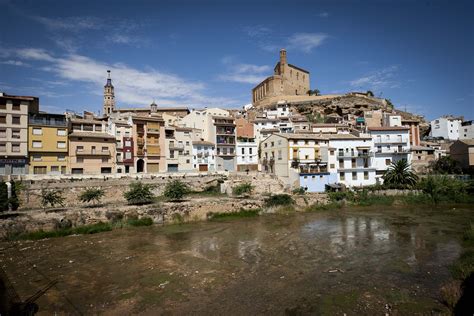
<point>373,260</point>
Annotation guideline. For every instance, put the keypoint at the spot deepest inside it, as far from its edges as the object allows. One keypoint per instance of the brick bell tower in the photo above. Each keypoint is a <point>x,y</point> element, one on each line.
<point>109,96</point>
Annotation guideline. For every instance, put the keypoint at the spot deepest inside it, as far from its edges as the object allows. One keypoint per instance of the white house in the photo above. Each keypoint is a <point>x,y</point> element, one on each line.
<point>247,154</point>
<point>467,130</point>
<point>447,127</point>
<point>351,159</point>
<point>204,158</point>
<point>392,143</point>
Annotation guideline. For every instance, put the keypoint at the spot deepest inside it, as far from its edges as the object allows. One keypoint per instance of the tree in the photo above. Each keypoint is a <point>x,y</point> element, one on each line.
<point>52,198</point>
<point>139,193</point>
<point>370,93</point>
<point>316,92</point>
<point>175,190</point>
<point>13,200</point>
<point>400,174</point>
<point>445,165</point>
<point>3,197</point>
<point>91,195</point>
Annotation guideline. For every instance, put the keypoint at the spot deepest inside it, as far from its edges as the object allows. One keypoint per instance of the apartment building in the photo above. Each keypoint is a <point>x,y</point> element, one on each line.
<point>330,128</point>
<point>351,159</point>
<point>225,140</point>
<point>292,157</point>
<point>14,132</point>
<point>148,144</point>
<point>179,147</point>
<point>204,155</point>
<point>91,148</point>
<point>391,145</point>
<point>122,128</point>
<point>48,143</point>
<point>467,130</point>
<point>447,127</point>
<point>247,154</point>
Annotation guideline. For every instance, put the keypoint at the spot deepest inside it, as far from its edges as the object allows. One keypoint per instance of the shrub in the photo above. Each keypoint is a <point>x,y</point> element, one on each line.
<point>279,199</point>
<point>445,189</point>
<point>341,196</point>
<point>13,201</point>
<point>91,195</point>
<point>241,189</point>
<point>52,198</point>
<point>299,190</point>
<point>139,194</point>
<point>144,221</point>
<point>175,190</point>
<point>3,197</point>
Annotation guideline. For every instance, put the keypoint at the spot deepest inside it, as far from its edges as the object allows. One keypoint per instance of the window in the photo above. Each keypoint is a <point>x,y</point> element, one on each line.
<point>187,161</point>
<point>3,119</point>
<point>37,131</point>
<point>306,142</point>
<point>243,151</point>
<point>354,175</point>
<point>279,155</point>
<point>387,162</point>
<point>80,148</point>
<point>16,148</point>
<point>353,162</point>
<point>36,158</point>
<point>16,120</point>
<point>105,149</point>
<point>61,132</point>
<point>3,147</point>
<point>37,144</point>
<point>39,170</point>
<point>250,151</point>
<point>128,143</point>
<point>61,158</point>
<point>16,107</point>
<point>331,152</point>
<point>341,163</point>
<point>3,133</point>
<point>128,155</point>
<point>16,133</point>
<point>61,145</point>
<point>366,175</point>
<point>105,160</point>
<point>342,176</point>
<point>332,166</point>
<point>54,168</point>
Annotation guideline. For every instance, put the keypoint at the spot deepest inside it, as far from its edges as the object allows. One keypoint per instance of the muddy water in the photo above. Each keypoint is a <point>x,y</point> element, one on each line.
<point>359,261</point>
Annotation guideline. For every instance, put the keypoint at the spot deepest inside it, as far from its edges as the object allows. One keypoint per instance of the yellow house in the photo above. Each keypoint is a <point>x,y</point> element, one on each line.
<point>47,143</point>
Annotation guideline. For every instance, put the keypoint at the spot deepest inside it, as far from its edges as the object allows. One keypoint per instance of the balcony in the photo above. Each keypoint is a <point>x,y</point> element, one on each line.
<point>394,152</point>
<point>155,131</point>
<point>390,141</point>
<point>140,141</point>
<point>92,152</point>
<point>177,146</point>
<point>141,152</point>
<point>203,160</point>
<point>225,131</point>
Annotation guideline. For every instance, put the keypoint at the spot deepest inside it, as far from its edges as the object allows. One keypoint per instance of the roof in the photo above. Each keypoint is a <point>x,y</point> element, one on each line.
<point>147,118</point>
<point>329,125</point>
<point>18,97</point>
<point>90,134</point>
<point>203,142</point>
<point>469,142</point>
<point>422,148</point>
<point>178,128</point>
<point>293,66</point>
<point>389,128</point>
<point>268,130</point>
<point>301,136</point>
<point>347,136</point>
<point>299,119</point>
<point>93,121</point>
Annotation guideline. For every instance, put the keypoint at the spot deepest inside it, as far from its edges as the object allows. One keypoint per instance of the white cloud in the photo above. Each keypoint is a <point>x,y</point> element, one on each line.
<point>243,73</point>
<point>306,41</point>
<point>376,80</point>
<point>323,14</point>
<point>15,63</point>
<point>257,30</point>
<point>132,86</point>
<point>73,24</point>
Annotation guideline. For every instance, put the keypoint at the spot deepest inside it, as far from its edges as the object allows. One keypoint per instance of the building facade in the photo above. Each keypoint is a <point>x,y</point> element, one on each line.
<point>447,127</point>
<point>48,143</point>
<point>204,156</point>
<point>14,132</point>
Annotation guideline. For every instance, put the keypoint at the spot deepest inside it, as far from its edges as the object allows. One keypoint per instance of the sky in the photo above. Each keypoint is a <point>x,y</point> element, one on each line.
<point>418,54</point>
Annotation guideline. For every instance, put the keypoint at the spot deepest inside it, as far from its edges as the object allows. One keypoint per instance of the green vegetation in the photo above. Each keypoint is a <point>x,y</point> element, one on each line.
<point>211,190</point>
<point>299,191</point>
<point>91,195</point>
<point>464,266</point>
<point>318,118</point>
<point>400,174</point>
<point>175,190</point>
<point>144,221</point>
<point>242,213</point>
<point>445,165</point>
<point>445,189</point>
<point>51,198</point>
<point>139,194</point>
<point>278,200</point>
<point>86,229</point>
<point>13,200</point>
<point>242,189</point>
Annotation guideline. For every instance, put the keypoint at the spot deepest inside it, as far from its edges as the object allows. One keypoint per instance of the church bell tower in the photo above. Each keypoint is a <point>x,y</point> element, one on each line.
<point>109,96</point>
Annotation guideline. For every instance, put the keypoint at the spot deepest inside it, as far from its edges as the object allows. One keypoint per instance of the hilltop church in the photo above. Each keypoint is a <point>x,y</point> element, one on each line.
<point>287,80</point>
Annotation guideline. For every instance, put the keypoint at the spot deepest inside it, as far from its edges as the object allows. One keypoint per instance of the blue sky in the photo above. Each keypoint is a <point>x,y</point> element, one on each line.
<point>420,54</point>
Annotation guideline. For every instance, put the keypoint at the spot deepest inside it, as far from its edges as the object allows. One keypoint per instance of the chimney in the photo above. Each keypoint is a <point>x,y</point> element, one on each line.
<point>282,56</point>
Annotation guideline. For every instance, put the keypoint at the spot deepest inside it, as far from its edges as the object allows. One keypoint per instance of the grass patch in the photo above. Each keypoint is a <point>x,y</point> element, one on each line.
<point>86,229</point>
<point>242,213</point>
<point>325,207</point>
<point>144,221</point>
<point>464,266</point>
